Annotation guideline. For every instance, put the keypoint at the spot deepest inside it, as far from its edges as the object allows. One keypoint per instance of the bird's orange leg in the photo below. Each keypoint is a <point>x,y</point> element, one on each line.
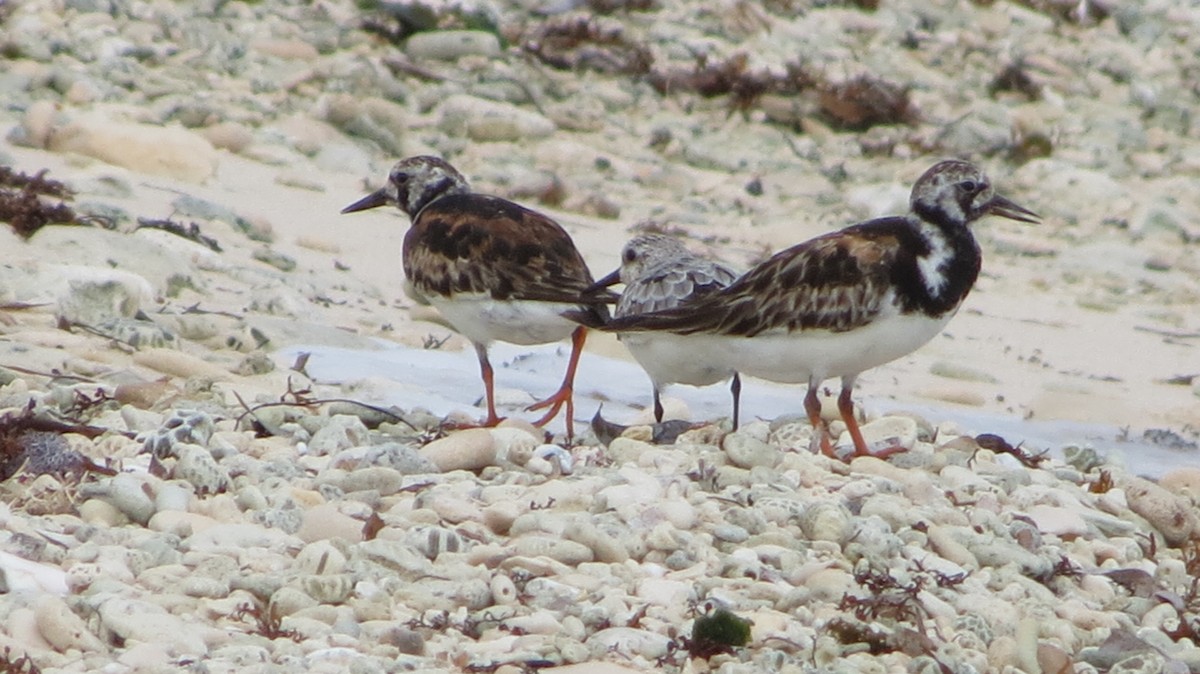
<point>846,407</point>
<point>489,387</point>
<point>565,393</point>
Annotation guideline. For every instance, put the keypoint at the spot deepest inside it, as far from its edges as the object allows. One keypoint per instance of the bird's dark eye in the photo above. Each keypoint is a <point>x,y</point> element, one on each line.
<point>630,255</point>
<point>970,186</point>
<point>399,178</point>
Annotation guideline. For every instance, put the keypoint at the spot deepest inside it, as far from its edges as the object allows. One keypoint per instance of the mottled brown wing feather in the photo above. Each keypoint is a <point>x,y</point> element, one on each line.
<point>474,243</point>
<point>835,282</point>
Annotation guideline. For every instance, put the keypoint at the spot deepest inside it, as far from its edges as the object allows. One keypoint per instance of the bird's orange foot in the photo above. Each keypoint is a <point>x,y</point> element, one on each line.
<point>552,405</point>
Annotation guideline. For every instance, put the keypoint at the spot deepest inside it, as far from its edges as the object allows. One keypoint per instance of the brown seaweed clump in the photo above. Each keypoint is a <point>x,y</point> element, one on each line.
<point>22,205</point>
<point>864,102</point>
<point>581,42</point>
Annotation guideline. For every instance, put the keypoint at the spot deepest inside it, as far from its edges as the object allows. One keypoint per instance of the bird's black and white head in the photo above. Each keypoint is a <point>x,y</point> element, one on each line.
<point>955,192</point>
<point>413,184</point>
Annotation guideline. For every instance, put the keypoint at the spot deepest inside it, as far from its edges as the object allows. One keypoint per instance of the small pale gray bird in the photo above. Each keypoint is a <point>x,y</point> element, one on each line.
<point>659,272</point>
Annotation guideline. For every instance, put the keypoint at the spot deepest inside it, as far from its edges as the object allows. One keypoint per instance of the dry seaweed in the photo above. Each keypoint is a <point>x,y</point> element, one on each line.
<point>614,6</point>
<point>190,231</point>
<point>999,445</point>
<point>580,42</point>
<point>864,102</point>
<point>22,205</point>
<point>732,76</point>
<point>266,623</point>
<point>17,664</point>
<point>1015,77</point>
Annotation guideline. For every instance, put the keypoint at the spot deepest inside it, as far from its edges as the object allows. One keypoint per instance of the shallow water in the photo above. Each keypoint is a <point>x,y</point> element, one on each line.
<point>446,381</point>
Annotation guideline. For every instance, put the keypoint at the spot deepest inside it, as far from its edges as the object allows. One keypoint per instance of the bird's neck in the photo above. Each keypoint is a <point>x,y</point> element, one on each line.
<point>419,198</point>
<point>946,267</point>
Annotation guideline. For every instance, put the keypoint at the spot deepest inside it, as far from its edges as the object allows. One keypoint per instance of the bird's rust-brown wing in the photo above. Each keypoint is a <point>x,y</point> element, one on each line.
<point>477,244</point>
<point>835,282</point>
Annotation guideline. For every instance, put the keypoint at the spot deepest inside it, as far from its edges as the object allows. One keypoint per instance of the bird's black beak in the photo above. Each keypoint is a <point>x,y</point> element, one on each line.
<point>611,279</point>
<point>1007,209</point>
<point>373,200</point>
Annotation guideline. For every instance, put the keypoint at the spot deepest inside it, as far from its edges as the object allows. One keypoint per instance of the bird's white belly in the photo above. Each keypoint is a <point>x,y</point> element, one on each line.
<point>679,359</point>
<point>820,354</point>
<point>482,319</point>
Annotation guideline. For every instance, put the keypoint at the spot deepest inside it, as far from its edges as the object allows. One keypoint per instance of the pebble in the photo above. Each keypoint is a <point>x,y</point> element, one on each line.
<point>141,621</point>
<point>93,298</point>
<point>1173,516</point>
<point>338,433</point>
<point>197,467</point>
<point>327,522</point>
<point>491,121</point>
<point>162,151</point>
<point>128,493</point>
<point>745,451</point>
<point>450,45</point>
<point>472,449</point>
<point>61,628</point>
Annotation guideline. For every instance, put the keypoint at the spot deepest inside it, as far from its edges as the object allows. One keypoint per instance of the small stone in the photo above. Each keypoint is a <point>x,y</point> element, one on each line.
<point>375,119</point>
<point>287,601</point>
<point>826,521</point>
<point>385,481</point>
<point>180,364</point>
<point>325,522</point>
<point>745,451</point>
<point>127,492</point>
<point>491,121</point>
<point>137,620</point>
<point>97,297</point>
<point>228,136</point>
<point>1172,515</point>
<point>291,50</point>
<point>164,151</point>
<point>38,123</point>
<point>1058,521</point>
<point>472,449</point>
<point>403,458</point>
<point>560,550</point>
<point>605,548</point>
<point>628,642</point>
<point>198,467</point>
<point>182,427</point>
<point>887,432</point>
<point>328,589</point>
<point>61,628</point>
<point>203,586</point>
<point>504,591</point>
<point>449,45</point>
<point>338,433</point>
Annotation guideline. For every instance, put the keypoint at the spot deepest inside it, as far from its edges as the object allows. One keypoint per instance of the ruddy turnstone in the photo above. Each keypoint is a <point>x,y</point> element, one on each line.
<point>849,300</point>
<point>494,269</point>
<point>659,272</point>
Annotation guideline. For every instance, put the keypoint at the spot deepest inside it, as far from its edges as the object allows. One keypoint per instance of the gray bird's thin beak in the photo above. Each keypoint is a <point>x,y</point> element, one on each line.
<point>373,200</point>
<point>610,280</point>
